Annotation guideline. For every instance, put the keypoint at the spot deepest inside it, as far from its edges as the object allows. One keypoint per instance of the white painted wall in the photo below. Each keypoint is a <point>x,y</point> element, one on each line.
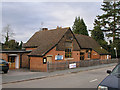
<point>17,62</point>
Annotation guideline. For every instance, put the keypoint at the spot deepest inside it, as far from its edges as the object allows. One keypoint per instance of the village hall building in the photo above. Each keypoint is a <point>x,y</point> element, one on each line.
<point>56,45</point>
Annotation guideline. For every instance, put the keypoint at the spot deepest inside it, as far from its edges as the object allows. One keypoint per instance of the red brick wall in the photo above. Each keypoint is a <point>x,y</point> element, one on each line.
<point>94,55</point>
<point>25,60</point>
<point>53,52</point>
<point>102,57</point>
<point>86,56</point>
<point>36,64</point>
<point>76,55</point>
<point>4,56</point>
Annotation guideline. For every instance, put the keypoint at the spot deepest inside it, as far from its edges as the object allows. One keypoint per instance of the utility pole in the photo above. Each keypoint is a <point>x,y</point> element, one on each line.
<point>114,22</point>
<point>115,51</point>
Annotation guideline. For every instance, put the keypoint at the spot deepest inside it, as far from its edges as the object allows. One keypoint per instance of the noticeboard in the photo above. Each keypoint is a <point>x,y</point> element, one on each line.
<point>59,57</point>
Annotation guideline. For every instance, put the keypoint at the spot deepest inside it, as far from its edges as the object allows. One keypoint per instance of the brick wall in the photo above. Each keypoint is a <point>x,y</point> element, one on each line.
<point>4,56</point>
<point>102,57</point>
<point>53,52</point>
<point>36,64</point>
<point>94,55</point>
<point>25,60</point>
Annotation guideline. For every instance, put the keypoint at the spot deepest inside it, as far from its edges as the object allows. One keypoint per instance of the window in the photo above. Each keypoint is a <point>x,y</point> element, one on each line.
<point>89,54</point>
<point>11,59</point>
<point>81,56</point>
<point>68,53</point>
<point>68,49</point>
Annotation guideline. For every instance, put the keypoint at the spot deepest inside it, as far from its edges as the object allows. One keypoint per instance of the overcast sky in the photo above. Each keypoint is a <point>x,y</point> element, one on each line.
<point>25,18</point>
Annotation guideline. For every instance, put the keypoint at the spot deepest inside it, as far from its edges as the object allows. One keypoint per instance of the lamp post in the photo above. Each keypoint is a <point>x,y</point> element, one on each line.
<point>115,51</point>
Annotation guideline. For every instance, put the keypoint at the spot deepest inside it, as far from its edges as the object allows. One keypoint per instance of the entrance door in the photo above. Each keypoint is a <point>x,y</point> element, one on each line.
<point>11,60</point>
<point>49,59</point>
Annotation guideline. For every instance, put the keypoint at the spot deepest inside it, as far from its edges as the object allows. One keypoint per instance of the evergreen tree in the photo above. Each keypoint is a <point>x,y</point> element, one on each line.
<point>12,45</point>
<point>110,20</point>
<point>79,27</point>
<point>98,35</point>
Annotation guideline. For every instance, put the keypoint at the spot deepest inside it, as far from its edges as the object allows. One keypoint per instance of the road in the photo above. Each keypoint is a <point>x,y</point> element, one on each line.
<point>84,79</point>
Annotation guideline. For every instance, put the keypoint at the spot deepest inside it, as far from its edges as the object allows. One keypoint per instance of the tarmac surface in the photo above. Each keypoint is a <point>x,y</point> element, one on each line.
<point>20,75</point>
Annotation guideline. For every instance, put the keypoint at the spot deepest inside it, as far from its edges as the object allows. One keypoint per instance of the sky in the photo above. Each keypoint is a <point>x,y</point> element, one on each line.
<point>25,18</point>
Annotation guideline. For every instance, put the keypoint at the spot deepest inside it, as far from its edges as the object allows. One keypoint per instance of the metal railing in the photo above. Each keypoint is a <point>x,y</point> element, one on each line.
<point>82,63</point>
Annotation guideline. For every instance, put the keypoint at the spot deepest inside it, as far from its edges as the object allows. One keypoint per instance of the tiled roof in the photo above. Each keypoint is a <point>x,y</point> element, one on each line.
<point>46,40</point>
<point>88,42</point>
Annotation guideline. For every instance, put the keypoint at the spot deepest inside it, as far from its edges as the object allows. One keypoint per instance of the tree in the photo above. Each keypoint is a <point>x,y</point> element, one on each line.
<point>110,23</point>
<point>7,33</point>
<point>110,20</point>
<point>79,27</point>
<point>98,35</point>
<point>10,44</point>
<point>117,45</point>
<point>13,44</point>
<point>21,44</point>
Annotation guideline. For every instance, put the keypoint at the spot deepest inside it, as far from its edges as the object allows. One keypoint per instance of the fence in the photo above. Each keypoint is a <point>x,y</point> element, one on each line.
<point>75,64</point>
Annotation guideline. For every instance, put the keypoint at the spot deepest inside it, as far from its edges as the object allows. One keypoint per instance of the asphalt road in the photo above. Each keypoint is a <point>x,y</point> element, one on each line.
<point>84,79</point>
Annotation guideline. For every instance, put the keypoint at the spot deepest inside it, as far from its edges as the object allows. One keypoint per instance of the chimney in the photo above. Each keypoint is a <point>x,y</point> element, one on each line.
<point>59,27</point>
<point>44,29</point>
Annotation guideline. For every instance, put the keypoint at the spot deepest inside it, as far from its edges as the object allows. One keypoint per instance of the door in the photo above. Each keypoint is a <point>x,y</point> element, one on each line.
<point>49,59</point>
<point>11,60</point>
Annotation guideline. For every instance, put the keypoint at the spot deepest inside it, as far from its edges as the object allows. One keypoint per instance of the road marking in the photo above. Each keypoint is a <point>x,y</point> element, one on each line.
<point>93,80</point>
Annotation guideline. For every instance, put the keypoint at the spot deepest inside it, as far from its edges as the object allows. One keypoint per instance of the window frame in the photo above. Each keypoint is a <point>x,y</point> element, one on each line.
<point>89,54</point>
<point>68,50</point>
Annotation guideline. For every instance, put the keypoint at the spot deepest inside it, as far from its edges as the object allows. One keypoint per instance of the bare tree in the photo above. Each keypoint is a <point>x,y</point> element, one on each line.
<point>7,33</point>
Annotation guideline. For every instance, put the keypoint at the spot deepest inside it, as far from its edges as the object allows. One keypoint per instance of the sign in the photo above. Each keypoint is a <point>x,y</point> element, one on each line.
<point>44,60</point>
<point>59,57</point>
<point>73,65</point>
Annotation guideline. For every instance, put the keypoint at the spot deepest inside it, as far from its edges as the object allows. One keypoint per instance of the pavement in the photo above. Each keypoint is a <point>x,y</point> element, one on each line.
<point>20,75</point>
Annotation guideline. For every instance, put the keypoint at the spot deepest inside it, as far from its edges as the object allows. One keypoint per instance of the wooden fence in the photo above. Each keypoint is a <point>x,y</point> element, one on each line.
<point>73,64</point>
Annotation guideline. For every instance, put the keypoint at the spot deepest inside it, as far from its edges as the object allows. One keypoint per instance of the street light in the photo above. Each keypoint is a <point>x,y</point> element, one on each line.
<point>115,51</point>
